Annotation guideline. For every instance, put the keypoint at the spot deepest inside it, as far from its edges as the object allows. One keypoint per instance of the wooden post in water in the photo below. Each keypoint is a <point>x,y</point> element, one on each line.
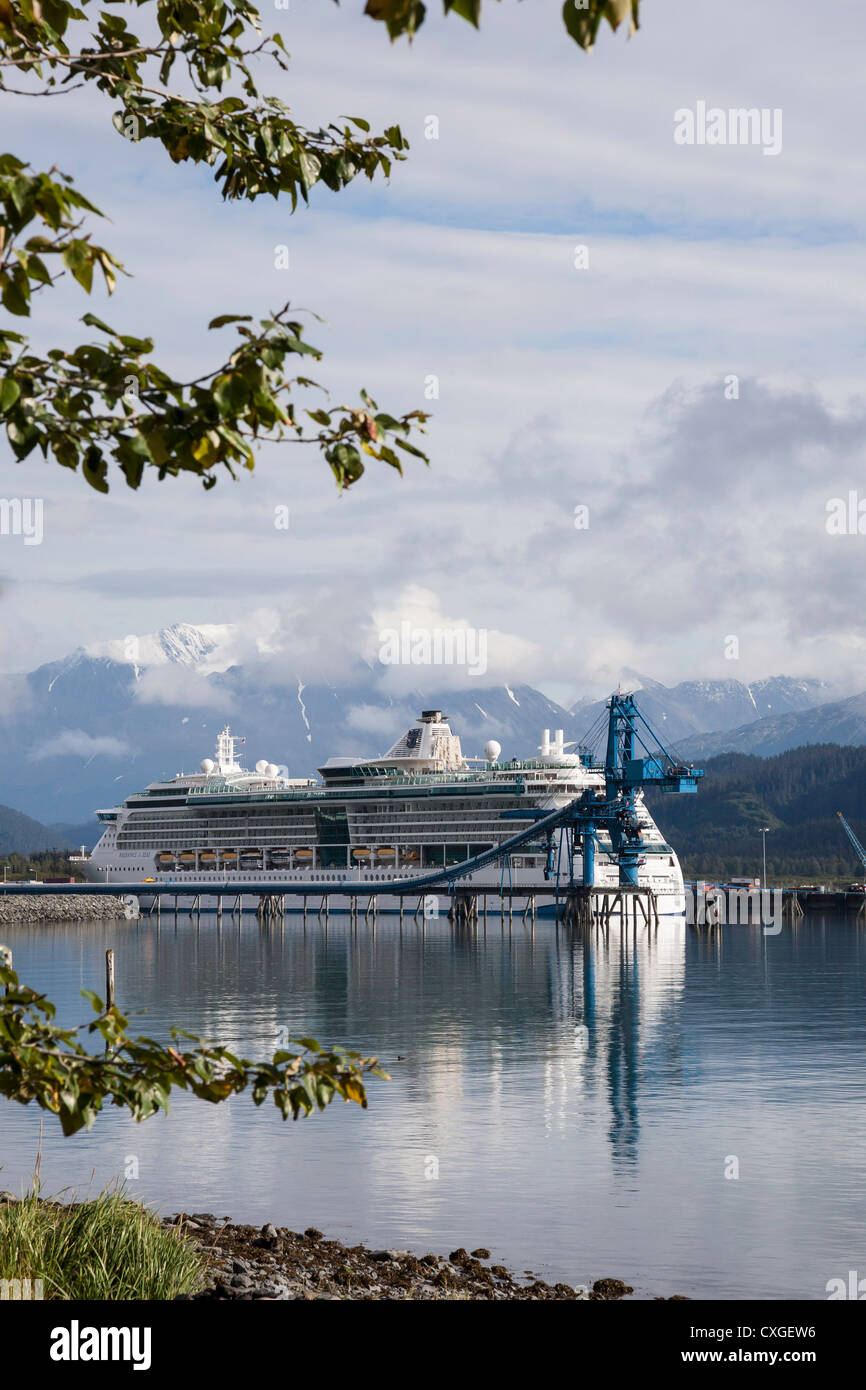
<point>109,979</point>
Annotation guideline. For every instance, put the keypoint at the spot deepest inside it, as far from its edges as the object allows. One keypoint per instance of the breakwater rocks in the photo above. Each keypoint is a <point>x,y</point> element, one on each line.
<point>64,907</point>
<point>276,1264</point>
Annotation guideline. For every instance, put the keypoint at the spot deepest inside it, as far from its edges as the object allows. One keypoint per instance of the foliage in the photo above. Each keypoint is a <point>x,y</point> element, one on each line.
<point>108,400</point>
<point>251,142</point>
<point>41,1062</point>
<point>110,397</point>
<point>106,1248</point>
<point>582,18</point>
<point>49,863</point>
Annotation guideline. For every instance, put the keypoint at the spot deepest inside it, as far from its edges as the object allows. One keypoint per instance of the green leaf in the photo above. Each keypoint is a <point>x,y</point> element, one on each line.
<point>582,23</point>
<point>66,452</point>
<point>16,293</point>
<point>310,168</point>
<point>9,393</point>
<point>399,16</point>
<point>390,457</point>
<point>95,470</point>
<point>136,345</point>
<point>410,449</point>
<point>617,11</point>
<point>231,394</point>
<point>22,437</point>
<point>93,322</point>
<point>467,9</point>
<point>78,257</point>
<point>222,319</point>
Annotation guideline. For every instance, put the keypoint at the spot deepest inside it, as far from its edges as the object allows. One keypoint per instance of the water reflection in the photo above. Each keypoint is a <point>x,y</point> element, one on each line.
<point>579,1093</point>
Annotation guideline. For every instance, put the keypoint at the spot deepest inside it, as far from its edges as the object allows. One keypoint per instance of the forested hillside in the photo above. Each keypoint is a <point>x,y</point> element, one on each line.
<point>22,834</point>
<point>796,794</point>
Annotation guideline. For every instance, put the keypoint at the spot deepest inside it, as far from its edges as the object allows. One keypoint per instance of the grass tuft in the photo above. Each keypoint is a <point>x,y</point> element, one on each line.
<point>109,1247</point>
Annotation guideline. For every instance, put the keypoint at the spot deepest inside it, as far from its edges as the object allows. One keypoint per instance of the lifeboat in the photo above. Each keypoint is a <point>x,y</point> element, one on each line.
<point>166,857</point>
<point>229,856</point>
<point>386,852</point>
<point>409,855</point>
<point>361,852</point>
<point>303,854</point>
<point>208,856</point>
<point>188,856</point>
<point>251,854</point>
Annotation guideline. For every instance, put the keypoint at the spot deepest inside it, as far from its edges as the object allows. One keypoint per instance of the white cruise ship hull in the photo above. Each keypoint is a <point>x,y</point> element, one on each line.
<point>419,811</point>
<point>200,890</point>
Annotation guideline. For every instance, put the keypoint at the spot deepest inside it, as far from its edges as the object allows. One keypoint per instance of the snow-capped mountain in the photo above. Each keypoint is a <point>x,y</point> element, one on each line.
<point>840,721</point>
<point>209,647</point>
<point>88,730</point>
<point>712,705</point>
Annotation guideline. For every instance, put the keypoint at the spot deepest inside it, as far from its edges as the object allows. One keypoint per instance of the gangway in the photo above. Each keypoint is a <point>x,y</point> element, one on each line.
<point>858,848</point>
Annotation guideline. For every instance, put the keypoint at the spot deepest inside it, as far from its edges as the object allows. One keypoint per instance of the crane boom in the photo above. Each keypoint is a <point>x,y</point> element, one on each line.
<point>860,851</point>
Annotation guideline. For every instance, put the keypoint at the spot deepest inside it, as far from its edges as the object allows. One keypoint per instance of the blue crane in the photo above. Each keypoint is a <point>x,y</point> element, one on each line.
<point>635,758</point>
<point>858,848</point>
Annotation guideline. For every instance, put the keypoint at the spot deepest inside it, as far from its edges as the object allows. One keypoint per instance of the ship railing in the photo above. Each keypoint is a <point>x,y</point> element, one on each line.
<point>511,771</point>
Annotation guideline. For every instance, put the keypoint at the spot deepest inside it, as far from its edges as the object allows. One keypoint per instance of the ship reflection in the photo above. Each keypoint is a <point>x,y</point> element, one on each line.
<point>622,991</point>
<point>599,1010</point>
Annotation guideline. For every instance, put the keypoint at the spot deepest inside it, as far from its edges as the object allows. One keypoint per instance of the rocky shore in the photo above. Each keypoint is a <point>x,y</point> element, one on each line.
<point>20,909</point>
<point>275,1264</point>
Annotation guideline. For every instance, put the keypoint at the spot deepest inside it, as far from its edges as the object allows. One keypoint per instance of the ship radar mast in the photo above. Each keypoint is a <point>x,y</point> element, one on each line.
<point>226,757</point>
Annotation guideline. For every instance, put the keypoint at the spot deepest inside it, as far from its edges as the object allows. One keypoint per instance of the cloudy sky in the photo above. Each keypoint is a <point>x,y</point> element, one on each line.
<point>560,387</point>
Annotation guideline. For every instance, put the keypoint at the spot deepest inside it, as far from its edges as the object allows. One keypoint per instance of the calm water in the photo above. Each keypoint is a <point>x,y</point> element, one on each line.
<point>583,1098</point>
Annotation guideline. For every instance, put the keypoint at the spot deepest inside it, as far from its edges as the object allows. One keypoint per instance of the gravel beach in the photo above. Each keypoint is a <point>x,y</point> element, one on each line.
<point>274,1263</point>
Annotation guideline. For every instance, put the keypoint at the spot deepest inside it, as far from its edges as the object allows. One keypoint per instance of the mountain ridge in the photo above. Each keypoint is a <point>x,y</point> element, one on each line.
<point>838,722</point>
<point>85,731</point>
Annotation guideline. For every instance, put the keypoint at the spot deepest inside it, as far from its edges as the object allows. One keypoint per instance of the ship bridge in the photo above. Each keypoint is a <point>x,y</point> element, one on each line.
<point>428,746</point>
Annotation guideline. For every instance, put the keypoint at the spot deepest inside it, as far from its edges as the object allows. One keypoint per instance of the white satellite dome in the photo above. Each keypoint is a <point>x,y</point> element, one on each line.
<point>207,765</point>
<point>492,750</point>
<point>271,770</point>
<point>262,766</point>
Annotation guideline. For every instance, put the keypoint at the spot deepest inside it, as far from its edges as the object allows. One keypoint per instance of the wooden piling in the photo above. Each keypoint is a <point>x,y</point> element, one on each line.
<point>109,979</point>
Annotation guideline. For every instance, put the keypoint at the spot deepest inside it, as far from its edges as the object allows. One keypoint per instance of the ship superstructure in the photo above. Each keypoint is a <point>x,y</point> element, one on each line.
<point>422,806</point>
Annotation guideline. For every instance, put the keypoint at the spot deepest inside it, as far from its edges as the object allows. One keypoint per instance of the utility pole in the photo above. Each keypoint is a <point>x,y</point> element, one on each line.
<point>763,829</point>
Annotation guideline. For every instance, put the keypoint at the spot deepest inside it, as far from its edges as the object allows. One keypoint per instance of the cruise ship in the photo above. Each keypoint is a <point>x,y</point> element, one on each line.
<point>421,807</point>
